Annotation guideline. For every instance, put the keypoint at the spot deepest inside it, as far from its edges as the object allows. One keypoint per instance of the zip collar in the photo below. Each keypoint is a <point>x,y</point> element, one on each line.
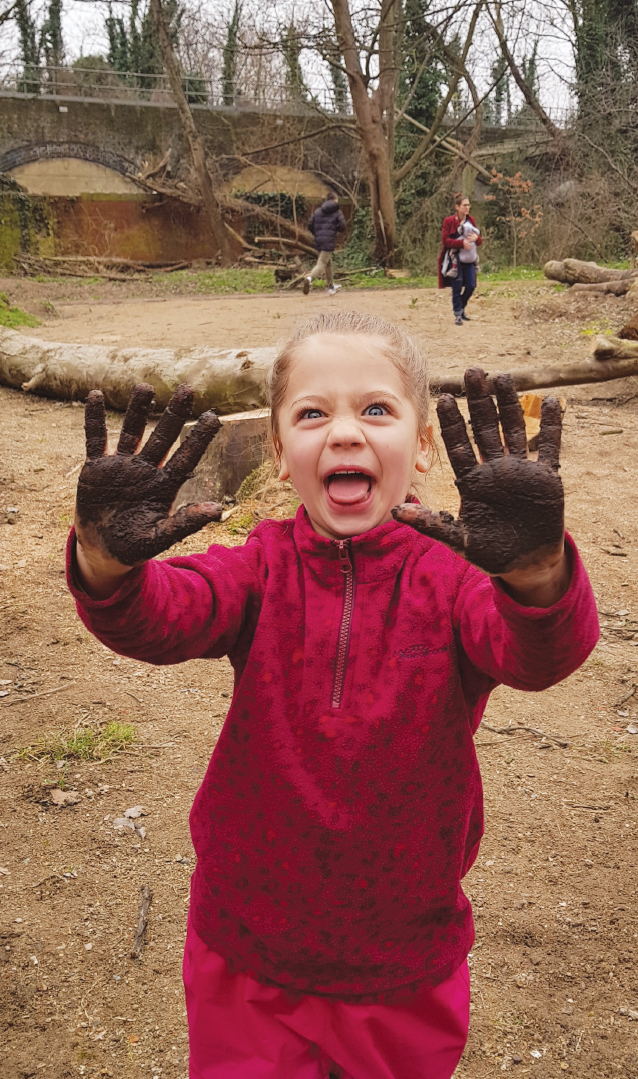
<point>377,554</point>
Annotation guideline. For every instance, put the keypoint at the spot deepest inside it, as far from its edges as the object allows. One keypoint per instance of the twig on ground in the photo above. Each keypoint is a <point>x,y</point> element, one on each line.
<point>530,730</point>
<point>32,696</point>
<point>147,898</point>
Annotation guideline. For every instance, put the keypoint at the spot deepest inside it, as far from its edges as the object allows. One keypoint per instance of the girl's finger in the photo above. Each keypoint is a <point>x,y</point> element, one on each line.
<point>175,415</point>
<point>187,456</point>
<point>95,425</point>
<point>185,522</point>
<point>483,415</point>
<point>550,433</point>
<point>455,436</point>
<point>135,419</point>
<point>511,415</point>
<point>439,526</point>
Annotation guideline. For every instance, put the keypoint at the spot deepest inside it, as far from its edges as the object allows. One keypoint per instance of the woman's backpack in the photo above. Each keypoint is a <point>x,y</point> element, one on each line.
<point>450,264</point>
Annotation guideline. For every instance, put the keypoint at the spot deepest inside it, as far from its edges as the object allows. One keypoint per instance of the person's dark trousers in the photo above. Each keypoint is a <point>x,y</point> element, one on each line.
<point>463,286</point>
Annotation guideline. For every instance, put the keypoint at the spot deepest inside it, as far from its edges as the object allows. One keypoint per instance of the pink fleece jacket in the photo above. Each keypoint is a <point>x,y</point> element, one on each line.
<point>343,801</point>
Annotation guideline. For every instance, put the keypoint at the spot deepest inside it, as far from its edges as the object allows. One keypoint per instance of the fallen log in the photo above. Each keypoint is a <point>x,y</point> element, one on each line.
<point>615,288</point>
<point>574,271</point>
<point>232,380</point>
<point>226,379</point>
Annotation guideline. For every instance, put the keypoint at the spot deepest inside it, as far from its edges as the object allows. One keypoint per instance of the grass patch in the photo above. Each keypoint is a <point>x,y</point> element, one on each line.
<point>597,326</point>
<point>513,273</point>
<point>222,282</point>
<point>83,745</point>
<point>13,316</point>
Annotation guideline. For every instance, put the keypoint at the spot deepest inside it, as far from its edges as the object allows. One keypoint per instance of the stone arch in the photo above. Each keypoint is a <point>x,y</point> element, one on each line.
<point>82,151</point>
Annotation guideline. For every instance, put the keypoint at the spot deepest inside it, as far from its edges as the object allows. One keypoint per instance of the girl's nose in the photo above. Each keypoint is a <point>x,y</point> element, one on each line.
<point>345,431</point>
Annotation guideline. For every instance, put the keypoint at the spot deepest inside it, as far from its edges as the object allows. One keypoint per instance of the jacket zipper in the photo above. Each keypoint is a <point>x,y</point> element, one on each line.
<point>346,567</point>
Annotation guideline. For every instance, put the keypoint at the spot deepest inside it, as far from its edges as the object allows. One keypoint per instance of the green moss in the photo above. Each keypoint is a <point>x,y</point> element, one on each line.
<point>13,316</point>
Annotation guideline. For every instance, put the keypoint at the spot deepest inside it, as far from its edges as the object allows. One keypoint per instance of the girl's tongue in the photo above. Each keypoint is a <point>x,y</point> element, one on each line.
<point>348,488</point>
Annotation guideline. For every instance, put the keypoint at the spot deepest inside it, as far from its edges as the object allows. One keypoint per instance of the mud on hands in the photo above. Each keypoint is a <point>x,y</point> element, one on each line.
<point>124,499</point>
<point>512,509</point>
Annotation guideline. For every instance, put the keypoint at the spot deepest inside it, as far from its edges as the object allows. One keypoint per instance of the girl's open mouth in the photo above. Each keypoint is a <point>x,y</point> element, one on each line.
<point>348,487</point>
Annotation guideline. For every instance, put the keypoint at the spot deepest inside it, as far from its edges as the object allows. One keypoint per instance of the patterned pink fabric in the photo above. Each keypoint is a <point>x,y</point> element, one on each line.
<point>239,1028</point>
<point>331,842</point>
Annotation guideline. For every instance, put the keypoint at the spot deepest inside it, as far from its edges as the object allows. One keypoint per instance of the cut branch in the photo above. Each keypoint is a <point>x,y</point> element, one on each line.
<point>612,359</point>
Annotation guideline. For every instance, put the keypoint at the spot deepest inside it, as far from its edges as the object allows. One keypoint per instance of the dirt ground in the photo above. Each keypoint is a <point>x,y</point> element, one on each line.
<point>554,889</point>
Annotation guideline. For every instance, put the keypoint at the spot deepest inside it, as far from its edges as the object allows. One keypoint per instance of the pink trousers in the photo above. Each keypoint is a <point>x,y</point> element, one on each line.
<point>241,1029</point>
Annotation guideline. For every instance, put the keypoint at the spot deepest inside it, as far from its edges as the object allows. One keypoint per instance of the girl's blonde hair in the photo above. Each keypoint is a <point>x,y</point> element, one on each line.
<point>404,353</point>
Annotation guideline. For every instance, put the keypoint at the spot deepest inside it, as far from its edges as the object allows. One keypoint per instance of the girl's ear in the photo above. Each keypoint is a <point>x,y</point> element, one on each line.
<point>424,454</point>
<point>284,471</point>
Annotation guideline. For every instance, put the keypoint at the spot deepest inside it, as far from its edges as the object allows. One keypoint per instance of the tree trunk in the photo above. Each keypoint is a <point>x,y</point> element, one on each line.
<point>226,379</point>
<point>195,142</point>
<point>370,127</point>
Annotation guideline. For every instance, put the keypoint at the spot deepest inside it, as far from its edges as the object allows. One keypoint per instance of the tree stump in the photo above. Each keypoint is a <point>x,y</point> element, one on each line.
<point>240,447</point>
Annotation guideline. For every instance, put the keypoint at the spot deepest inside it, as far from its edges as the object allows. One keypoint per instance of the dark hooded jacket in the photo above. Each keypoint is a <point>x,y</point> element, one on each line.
<point>326,221</point>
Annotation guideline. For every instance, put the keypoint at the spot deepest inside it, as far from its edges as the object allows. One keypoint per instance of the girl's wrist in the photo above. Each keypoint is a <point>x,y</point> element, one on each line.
<point>542,584</point>
<point>97,574</point>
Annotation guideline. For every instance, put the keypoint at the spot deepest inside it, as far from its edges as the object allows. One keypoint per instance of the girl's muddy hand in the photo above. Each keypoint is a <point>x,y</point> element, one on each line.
<point>123,499</point>
<point>512,509</point>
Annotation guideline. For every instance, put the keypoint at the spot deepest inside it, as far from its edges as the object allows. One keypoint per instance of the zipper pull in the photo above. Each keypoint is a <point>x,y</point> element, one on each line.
<point>345,565</point>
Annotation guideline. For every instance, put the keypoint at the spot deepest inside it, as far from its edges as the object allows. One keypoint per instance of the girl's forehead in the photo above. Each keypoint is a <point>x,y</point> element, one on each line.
<point>352,350</point>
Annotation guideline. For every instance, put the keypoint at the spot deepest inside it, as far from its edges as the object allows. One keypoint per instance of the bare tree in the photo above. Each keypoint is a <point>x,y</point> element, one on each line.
<point>195,142</point>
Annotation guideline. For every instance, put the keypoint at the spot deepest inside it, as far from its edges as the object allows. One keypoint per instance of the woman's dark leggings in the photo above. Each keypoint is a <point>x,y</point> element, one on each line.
<point>463,286</point>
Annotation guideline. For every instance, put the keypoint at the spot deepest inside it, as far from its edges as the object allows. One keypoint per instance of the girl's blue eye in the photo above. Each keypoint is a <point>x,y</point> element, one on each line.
<point>375,410</point>
<point>312,414</point>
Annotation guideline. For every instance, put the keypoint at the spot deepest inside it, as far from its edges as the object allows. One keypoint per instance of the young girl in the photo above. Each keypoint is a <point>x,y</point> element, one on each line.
<point>328,931</point>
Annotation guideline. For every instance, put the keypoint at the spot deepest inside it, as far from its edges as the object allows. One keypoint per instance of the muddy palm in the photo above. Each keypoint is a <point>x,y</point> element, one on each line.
<point>124,499</point>
<point>512,509</point>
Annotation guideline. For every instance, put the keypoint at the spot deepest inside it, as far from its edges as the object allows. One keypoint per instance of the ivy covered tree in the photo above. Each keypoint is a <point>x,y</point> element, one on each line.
<point>51,42</point>
<point>230,53</point>
<point>291,50</point>
<point>133,47</point>
<point>423,73</point>
<point>29,49</point>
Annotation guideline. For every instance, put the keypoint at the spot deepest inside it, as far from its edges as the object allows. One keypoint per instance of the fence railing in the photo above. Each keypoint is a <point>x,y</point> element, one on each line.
<point>102,84</point>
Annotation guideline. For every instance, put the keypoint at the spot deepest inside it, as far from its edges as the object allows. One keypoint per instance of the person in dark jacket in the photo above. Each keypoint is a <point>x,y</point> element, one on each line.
<point>455,239</point>
<point>326,221</point>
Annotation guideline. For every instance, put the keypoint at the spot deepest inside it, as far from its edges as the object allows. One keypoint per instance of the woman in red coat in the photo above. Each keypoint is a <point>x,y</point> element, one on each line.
<point>460,234</point>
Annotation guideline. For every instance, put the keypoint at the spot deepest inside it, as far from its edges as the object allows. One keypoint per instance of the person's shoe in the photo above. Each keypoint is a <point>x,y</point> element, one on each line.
<point>466,318</point>
<point>307,281</point>
<point>333,289</point>
<point>459,320</point>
